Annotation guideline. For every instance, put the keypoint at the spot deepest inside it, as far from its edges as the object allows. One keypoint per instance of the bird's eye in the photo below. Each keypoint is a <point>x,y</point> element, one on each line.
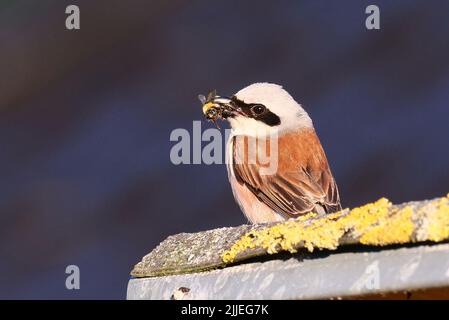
<point>258,109</point>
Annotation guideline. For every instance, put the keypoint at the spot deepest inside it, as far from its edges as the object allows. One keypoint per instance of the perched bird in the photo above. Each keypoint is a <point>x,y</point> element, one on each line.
<point>302,181</point>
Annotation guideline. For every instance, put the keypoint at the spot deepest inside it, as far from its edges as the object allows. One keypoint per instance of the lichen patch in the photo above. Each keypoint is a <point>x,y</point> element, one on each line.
<point>378,223</point>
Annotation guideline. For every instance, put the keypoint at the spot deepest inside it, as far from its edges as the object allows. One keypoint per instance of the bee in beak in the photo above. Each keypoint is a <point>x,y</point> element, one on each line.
<point>216,107</point>
<point>212,111</point>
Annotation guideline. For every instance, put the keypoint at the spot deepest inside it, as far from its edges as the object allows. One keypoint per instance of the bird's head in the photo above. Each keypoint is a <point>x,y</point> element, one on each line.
<point>257,110</point>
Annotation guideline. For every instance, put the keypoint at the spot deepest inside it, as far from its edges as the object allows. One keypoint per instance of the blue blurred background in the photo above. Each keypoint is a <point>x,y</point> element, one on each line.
<point>85,119</point>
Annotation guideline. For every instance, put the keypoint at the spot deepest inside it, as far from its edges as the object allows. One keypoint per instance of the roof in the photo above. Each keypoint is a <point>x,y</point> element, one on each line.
<point>333,251</point>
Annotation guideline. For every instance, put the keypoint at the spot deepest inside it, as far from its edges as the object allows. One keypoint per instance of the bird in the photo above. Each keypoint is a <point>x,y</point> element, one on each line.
<point>302,182</point>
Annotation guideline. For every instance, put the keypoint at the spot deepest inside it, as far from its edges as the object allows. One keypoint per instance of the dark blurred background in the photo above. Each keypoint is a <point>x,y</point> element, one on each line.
<point>85,119</point>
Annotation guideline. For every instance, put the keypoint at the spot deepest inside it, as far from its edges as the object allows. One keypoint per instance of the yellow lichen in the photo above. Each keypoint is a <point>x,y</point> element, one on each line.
<point>321,233</point>
<point>378,223</point>
<point>438,225</point>
<point>396,229</point>
<point>361,218</point>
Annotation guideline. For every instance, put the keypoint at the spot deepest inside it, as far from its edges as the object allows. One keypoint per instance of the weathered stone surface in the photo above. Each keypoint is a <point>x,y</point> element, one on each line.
<point>189,252</point>
<point>407,271</point>
<point>375,224</point>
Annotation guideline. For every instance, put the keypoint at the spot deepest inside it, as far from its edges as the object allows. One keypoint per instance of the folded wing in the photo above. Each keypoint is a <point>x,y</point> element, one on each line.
<point>302,182</point>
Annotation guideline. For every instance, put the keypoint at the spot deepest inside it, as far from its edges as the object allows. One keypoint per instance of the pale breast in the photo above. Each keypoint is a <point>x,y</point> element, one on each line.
<point>255,210</point>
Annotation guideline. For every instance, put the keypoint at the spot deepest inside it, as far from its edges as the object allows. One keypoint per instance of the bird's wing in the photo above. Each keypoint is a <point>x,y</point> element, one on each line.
<point>302,183</point>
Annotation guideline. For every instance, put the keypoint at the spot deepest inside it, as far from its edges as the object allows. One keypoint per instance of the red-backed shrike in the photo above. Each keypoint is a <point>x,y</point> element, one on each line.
<point>302,181</point>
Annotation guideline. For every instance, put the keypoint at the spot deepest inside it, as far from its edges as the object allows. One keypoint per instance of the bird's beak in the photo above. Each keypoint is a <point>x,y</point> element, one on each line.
<point>217,102</point>
<point>216,107</point>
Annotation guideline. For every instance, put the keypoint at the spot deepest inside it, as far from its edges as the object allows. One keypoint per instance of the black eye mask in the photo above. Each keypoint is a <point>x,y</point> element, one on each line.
<point>267,117</point>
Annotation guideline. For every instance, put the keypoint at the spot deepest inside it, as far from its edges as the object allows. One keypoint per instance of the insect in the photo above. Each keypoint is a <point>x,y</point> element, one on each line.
<point>213,111</point>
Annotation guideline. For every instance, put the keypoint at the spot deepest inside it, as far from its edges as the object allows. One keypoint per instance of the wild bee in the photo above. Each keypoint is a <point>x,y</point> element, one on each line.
<point>211,109</point>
